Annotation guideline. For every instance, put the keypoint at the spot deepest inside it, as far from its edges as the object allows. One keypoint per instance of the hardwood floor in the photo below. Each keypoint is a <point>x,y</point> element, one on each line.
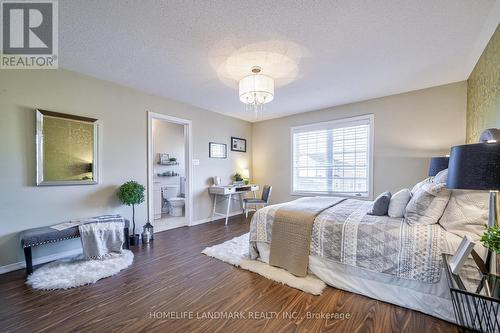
<point>172,278</point>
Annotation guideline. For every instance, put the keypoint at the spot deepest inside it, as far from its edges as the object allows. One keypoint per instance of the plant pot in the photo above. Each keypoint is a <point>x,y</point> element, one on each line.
<point>135,239</point>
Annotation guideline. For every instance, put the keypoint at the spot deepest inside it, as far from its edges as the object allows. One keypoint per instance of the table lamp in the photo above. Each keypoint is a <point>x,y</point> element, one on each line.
<point>245,174</point>
<point>438,164</point>
<point>477,167</point>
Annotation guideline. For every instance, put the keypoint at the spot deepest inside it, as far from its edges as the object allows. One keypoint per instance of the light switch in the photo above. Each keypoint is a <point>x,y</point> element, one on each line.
<point>196,162</point>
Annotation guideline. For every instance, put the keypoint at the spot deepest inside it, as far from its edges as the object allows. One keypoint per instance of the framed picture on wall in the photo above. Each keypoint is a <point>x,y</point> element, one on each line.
<point>238,144</point>
<point>217,150</point>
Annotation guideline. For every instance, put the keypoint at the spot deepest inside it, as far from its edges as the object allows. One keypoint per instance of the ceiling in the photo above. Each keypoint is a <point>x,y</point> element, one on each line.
<point>333,52</point>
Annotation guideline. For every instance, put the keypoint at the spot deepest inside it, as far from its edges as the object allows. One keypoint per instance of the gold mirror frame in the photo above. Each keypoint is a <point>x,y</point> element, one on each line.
<point>40,181</point>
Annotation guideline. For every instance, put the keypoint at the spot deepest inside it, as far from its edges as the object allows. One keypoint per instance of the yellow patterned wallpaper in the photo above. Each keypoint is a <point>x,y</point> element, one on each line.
<point>68,147</point>
<point>483,91</point>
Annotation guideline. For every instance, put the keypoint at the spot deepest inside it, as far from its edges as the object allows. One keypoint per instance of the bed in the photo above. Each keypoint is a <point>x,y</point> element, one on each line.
<point>377,256</point>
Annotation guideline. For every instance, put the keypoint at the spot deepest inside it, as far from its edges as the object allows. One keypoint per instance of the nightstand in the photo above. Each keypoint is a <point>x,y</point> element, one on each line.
<point>475,297</point>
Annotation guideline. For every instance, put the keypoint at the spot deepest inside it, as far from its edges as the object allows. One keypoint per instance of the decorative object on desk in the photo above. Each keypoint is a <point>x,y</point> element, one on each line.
<point>66,149</point>
<point>164,158</point>
<point>238,179</point>
<point>217,150</point>
<point>245,173</point>
<point>464,250</point>
<point>438,164</point>
<point>477,167</point>
<point>216,180</point>
<point>132,193</point>
<point>238,144</point>
<point>147,233</point>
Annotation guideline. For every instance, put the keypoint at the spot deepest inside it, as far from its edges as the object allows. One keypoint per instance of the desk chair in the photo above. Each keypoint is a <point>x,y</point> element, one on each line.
<point>264,200</point>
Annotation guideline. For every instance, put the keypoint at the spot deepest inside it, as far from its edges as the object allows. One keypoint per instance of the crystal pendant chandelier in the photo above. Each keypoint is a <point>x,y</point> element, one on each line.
<point>256,90</point>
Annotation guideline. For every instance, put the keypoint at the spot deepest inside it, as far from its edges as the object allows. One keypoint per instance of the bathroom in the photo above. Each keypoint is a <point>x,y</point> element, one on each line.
<point>169,171</point>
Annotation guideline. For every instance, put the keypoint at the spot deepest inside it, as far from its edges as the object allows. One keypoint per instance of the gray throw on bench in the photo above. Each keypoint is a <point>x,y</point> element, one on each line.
<point>102,238</point>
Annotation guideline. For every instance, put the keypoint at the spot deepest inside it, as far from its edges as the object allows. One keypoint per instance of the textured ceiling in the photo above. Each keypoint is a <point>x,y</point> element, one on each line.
<point>335,52</point>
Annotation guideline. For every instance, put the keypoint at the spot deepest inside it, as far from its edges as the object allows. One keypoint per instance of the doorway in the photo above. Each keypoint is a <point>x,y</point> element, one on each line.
<point>169,171</point>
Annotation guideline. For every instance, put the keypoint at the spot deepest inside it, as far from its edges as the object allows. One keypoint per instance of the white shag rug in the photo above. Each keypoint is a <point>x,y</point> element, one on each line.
<point>76,271</point>
<point>235,252</point>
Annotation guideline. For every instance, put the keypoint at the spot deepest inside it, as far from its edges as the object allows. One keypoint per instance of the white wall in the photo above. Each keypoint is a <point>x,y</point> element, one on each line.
<point>123,116</point>
<point>409,129</point>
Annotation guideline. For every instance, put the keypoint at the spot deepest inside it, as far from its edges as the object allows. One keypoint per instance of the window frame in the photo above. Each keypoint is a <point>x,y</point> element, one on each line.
<point>342,122</point>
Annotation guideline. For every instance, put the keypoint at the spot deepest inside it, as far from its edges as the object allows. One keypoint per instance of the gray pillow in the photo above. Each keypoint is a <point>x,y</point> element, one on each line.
<point>381,204</point>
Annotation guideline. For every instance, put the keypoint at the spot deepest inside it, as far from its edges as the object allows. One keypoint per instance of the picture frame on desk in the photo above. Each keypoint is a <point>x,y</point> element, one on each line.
<point>238,144</point>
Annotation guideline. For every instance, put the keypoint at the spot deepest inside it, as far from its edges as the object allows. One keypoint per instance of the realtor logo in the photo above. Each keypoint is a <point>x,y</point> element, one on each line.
<point>29,34</point>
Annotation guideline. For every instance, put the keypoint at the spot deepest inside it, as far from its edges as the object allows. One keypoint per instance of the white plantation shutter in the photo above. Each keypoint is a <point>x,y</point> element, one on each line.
<point>333,157</point>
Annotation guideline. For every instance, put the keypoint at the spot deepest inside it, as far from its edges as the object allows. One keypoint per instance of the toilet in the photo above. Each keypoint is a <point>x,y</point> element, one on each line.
<point>174,194</point>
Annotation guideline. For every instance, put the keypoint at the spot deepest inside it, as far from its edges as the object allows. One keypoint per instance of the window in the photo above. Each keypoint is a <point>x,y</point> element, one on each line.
<point>333,158</point>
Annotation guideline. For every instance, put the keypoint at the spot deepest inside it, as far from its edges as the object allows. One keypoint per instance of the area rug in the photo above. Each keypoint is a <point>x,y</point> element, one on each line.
<point>76,271</point>
<point>235,252</point>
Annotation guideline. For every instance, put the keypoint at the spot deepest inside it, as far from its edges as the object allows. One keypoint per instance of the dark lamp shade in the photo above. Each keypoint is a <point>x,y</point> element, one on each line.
<point>474,167</point>
<point>438,164</point>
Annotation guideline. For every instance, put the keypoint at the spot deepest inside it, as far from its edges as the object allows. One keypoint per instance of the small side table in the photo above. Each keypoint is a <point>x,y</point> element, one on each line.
<point>475,298</point>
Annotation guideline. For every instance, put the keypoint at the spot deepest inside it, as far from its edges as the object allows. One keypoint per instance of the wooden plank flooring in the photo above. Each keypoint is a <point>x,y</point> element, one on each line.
<point>172,278</point>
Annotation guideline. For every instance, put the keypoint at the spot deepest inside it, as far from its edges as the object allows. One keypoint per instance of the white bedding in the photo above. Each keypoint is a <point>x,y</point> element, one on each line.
<point>429,298</point>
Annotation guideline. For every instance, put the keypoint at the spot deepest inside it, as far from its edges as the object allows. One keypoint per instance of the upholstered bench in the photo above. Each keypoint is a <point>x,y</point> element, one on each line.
<point>46,235</point>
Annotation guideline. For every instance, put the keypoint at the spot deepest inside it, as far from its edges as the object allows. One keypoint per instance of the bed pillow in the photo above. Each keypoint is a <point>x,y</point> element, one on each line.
<point>418,186</point>
<point>381,204</point>
<point>427,204</point>
<point>398,203</point>
<point>441,177</point>
<point>466,213</point>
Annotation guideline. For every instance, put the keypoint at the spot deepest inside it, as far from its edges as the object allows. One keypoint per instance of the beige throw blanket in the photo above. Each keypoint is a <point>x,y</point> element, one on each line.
<point>291,232</point>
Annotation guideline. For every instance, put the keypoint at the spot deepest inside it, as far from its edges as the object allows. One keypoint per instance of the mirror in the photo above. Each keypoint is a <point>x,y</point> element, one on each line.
<point>66,149</point>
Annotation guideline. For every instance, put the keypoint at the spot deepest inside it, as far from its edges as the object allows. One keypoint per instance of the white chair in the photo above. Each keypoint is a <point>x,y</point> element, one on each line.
<point>264,200</point>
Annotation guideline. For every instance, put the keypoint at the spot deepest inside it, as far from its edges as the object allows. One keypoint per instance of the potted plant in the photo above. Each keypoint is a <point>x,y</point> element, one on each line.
<point>132,193</point>
<point>491,240</point>
<point>238,177</point>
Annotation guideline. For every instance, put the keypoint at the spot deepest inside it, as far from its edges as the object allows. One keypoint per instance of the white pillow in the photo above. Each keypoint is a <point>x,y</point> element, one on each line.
<point>466,213</point>
<point>441,177</point>
<point>427,204</point>
<point>418,186</point>
<point>398,203</point>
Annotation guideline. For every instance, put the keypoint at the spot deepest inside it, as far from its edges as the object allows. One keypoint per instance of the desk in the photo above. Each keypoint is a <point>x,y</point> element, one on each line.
<point>229,191</point>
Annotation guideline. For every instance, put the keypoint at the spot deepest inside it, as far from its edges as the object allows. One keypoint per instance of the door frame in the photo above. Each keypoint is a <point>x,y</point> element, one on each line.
<point>188,142</point>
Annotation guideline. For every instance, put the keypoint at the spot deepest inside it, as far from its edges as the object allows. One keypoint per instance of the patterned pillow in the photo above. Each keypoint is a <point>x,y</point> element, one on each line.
<point>398,203</point>
<point>441,177</point>
<point>466,213</point>
<point>427,204</point>
<point>418,186</point>
<point>381,204</point>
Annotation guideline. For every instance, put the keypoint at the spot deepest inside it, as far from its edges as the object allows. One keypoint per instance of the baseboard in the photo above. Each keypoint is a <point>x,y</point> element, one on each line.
<point>37,261</point>
<point>209,219</point>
